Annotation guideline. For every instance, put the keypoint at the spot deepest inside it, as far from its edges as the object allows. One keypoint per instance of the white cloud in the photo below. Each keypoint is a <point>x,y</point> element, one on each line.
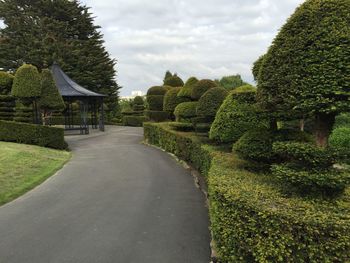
<point>208,39</point>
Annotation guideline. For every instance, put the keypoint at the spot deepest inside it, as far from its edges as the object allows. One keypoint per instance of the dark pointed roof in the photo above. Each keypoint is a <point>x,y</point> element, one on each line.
<point>67,87</point>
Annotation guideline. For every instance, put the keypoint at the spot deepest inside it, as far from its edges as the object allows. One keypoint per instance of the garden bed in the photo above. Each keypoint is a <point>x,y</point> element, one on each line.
<point>252,220</point>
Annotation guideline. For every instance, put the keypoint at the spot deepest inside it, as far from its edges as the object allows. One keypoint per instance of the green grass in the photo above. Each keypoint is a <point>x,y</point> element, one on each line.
<point>22,167</point>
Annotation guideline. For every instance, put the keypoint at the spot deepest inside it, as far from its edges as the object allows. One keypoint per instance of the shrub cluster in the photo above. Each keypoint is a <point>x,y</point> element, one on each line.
<point>186,90</point>
<point>155,97</point>
<point>135,117</point>
<point>173,81</point>
<point>185,111</point>
<point>210,102</point>
<point>32,134</point>
<point>171,100</point>
<point>235,116</point>
<point>251,220</point>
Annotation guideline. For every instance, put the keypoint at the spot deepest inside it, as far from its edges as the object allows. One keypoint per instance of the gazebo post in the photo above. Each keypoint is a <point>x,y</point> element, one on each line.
<point>102,117</point>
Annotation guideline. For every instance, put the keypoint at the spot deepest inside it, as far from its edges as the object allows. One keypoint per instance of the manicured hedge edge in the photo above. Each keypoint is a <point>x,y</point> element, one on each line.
<point>32,134</point>
<point>134,121</point>
<point>251,221</point>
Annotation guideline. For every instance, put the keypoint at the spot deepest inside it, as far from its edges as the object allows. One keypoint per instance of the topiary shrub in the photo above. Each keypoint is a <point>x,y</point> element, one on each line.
<point>171,100</point>
<point>157,116</point>
<point>181,126</point>
<point>210,102</point>
<point>173,81</point>
<point>185,111</point>
<point>257,144</point>
<point>134,121</point>
<point>154,98</point>
<point>155,102</point>
<point>235,116</point>
<point>7,107</point>
<point>340,142</point>
<point>157,90</point>
<point>23,113</point>
<point>186,90</point>
<point>26,83</point>
<point>201,87</point>
<point>138,103</point>
<point>6,80</point>
<point>342,120</point>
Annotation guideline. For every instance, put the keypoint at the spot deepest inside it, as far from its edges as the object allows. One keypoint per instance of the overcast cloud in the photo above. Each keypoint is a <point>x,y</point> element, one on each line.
<point>206,39</point>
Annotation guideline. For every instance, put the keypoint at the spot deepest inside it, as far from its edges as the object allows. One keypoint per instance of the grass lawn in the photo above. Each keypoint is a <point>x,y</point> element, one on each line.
<point>22,167</point>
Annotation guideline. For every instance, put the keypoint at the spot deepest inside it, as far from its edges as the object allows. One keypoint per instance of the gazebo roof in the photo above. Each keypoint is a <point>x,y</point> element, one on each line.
<point>69,88</point>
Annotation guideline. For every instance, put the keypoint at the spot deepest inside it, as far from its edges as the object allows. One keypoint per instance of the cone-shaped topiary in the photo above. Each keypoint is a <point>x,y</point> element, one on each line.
<point>257,66</point>
<point>202,87</point>
<point>306,69</point>
<point>6,80</point>
<point>50,98</point>
<point>185,111</point>
<point>171,100</point>
<point>186,91</point>
<point>235,116</point>
<point>26,83</point>
<point>174,81</point>
<point>210,102</point>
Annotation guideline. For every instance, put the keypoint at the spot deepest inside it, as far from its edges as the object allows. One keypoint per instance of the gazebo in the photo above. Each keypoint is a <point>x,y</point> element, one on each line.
<point>89,103</point>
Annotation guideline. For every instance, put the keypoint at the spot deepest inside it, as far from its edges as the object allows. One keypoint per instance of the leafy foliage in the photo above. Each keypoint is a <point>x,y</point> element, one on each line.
<point>186,91</point>
<point>201,87</point>
<point>6,80</point>
<point>157,116</point>
<point>134,121</point>
<point>7,107</point>
<point>171,100</point>
<point>257,66</point>
<point>186,111</point>
<point>340,142</point>
<point>174,81</point>
<point>210,102</point>
<point>235,116</point>
<point>50,98</point>
<point>231,82</point>
<point>26,83</point>
<point>181,126</point>
<point>157,90</point>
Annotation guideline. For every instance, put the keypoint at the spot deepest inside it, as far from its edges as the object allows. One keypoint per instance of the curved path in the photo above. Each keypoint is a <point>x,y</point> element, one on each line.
<point>115,201</point>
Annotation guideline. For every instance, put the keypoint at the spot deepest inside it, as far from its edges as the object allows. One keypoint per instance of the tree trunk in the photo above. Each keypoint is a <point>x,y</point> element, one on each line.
<point>302,124</point>
<point>323,128</point>
<point>273,125</point>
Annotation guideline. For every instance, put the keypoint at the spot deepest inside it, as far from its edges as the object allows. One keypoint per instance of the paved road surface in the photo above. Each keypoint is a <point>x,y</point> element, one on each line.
<point>115,201</point>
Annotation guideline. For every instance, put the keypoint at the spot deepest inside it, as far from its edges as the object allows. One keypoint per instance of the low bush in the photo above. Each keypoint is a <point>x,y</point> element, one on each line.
<point>342,120</point>
<point>181,126</point>
<point>339,141</point>
<point>211,101</point>
<point>7,107</point>
<point>6,80</point>
<point>157,116</point>
<point>32,134</point>
<point>235,116</point>
<point>201,87</point>
<point>251,220</point>
<point>186,111</point>
<point>257,145</point>
<point>134,121</point>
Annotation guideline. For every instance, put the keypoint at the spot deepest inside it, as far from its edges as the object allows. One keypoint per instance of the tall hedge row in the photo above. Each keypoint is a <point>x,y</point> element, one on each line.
<point>7,107</point>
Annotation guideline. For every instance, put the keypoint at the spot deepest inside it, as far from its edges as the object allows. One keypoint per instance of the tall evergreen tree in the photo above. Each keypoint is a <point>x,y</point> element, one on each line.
<point>43,31</point>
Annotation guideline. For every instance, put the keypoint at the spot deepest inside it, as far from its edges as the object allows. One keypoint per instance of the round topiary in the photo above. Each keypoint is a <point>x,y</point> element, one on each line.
<point>201,87</point>
<point>6,80</point>
<point>157,90</point>
<point>171,100</point>
<point>186,111</point>
<point>155,102</point>
<point>211,101</point>
<point>138,100</point>
<point>306,69</point>
<point>173,81</point>
<point>26,83</point>
<point>187,89</point>
<point>50,98</point>
<point>235,116</point>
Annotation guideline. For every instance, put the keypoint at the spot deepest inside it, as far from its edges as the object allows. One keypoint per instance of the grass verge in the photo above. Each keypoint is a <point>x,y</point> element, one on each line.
<point>22,167</point>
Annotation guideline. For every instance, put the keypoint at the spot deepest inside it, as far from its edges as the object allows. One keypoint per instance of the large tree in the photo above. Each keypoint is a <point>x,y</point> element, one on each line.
<point>307,68</point>
<point>43,31</point>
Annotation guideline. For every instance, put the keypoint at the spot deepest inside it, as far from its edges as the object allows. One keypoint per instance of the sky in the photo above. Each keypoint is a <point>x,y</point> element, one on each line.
<point>206,39</point>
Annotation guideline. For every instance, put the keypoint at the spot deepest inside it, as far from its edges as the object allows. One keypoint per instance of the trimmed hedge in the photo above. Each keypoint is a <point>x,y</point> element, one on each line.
<point>157,116</point>
<point>26,83</point>
<point>181,126</point>
<point>155,102</point>
<point>157,90</point>
<point>236,115</point>
<point>32,134</point>
<point>340,142</point>
<point>186,111</point>
<point>155,97</point>
<point>202,87</point>
<point>23,113</point>
<point>6,80</point>
<point>134,121</point>
<point>186,90</point>
<point>211,101</point>
<point>7,107</point>
<point>173,81</point>
<point>251,220</point>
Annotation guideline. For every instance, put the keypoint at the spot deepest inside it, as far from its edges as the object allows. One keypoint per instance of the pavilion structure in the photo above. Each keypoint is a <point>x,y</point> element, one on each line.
<point>90,103</point>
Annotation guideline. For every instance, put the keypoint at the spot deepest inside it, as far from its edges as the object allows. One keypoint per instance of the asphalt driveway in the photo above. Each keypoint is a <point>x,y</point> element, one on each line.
<point>115,201</point>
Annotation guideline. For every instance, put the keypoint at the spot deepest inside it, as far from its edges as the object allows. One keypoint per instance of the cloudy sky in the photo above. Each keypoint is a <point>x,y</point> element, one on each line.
<point>206,39</point>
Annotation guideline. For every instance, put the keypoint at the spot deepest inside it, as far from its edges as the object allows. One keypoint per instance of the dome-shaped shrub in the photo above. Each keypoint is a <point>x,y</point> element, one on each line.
<point>26,83</point>
<point>201,87</point>
<point>138,104</point>
<point>6,80</point>
<point>186,111</point>
<point>174,81</point>
<point>210,102</point>
<point>157,90</point>
<point>235,116</point>
<point>138,100</point>
<point>187,89</point>
<point>171,100</point>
